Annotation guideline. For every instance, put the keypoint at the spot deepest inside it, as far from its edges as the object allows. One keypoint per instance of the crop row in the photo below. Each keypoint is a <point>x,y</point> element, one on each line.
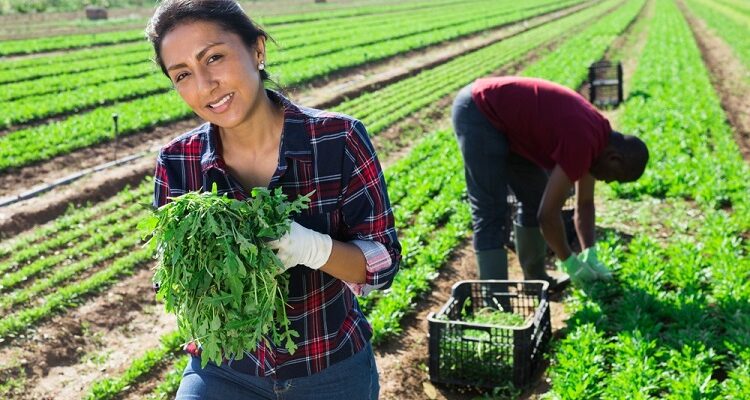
<point>73,225</point>
<point>61,60</point>
<point>739,6</point>
<point>92,60</point>
<point>731,23</point>
<point>55,84</point>
<point>431,234</point>
<point>390,29</point>
<point>705,167</point>
<point>98,233</point>
<point>24,146</point>
<point>76,98</point>
<point>673,324</point>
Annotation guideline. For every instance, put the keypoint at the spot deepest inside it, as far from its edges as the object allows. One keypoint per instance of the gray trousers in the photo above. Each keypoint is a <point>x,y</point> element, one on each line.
<point>490,168</point>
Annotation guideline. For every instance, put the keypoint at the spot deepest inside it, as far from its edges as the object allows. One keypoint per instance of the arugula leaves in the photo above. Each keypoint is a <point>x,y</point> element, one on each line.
<point>216,273</point>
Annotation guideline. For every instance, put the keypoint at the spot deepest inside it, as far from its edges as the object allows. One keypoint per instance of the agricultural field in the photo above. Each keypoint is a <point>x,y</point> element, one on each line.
<point>78,315</point>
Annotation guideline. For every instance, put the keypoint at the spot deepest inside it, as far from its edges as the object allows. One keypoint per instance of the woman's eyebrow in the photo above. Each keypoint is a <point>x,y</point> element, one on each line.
<point>197,56</point>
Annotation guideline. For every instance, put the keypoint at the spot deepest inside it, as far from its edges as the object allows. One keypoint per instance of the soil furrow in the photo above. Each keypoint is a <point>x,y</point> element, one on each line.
<point>729,76</point>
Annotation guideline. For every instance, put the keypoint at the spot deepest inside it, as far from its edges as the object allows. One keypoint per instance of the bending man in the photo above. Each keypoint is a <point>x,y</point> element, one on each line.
<point>540,139</point>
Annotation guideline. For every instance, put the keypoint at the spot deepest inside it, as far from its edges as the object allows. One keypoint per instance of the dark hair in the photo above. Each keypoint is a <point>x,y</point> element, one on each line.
<point>635,154</point>
<point>226,13</point>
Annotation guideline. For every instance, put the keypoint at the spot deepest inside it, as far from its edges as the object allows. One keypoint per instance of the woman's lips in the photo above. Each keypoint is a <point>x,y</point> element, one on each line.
<point>221,105</point>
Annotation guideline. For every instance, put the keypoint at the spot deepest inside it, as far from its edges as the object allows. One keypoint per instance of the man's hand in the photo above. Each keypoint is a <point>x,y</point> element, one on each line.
<point>579,271</point>
<point>589,257</point>
<point>302,246</point>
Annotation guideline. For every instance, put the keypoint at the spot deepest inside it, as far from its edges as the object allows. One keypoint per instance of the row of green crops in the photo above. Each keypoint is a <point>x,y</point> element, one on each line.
<point>731,24</point>
<point>54,84</point>
<point>705,166</point>
<point>32,108</point>
<point>674,322</point>
<point>443,217</point>
<point>42,142</point>
<point>29,46</point>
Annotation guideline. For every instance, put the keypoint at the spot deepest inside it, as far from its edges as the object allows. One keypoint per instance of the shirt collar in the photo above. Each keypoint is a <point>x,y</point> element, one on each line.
<point>295,138</point>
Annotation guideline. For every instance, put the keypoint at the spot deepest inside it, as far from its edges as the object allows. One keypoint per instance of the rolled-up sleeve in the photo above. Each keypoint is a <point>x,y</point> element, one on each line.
<point>367,213</point>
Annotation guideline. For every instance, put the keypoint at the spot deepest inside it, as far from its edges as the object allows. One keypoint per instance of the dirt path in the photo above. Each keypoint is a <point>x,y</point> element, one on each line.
<point>728,75</point>
<point>26,214</point>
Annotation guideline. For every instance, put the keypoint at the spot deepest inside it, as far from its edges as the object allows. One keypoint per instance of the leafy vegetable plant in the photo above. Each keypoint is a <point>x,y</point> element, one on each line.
<point>216,273</point>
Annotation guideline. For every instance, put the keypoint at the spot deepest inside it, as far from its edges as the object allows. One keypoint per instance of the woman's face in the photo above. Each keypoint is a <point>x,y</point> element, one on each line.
<point>214,72</point>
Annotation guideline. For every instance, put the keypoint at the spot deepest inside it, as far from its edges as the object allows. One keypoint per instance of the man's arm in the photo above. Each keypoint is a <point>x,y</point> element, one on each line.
<point>585,213</point>
<point>549,214</point>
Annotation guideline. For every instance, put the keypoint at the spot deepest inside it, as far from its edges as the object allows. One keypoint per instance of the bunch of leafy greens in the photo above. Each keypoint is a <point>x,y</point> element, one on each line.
<point>216,273</point>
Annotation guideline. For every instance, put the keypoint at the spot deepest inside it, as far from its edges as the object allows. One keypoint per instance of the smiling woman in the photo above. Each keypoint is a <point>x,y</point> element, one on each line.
<point>343,245</point>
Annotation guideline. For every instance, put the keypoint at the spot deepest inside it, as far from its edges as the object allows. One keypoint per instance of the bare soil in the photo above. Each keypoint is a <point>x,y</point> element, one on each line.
<point>64,356</point>
<point>728,75</point>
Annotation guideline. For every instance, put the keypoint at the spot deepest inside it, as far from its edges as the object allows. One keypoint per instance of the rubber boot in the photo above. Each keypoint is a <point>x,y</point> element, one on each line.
<point>531,249</point>
<point>493,264</point>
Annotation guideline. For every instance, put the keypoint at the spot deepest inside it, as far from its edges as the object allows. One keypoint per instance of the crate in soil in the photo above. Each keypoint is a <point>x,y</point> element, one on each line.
<point>488,355</point>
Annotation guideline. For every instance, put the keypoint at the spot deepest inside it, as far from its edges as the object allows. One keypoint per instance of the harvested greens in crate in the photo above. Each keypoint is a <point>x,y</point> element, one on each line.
<point>490,334</point>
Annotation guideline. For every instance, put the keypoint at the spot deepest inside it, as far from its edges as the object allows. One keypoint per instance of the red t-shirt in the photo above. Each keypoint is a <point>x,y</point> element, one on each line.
<point>545,122</point>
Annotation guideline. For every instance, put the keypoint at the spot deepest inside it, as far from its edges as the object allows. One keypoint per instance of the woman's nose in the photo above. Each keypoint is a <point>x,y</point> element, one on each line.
<point>207,83</point>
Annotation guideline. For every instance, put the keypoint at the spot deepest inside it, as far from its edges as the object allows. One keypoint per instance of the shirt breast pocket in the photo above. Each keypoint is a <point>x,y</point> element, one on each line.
<point>322,222</point>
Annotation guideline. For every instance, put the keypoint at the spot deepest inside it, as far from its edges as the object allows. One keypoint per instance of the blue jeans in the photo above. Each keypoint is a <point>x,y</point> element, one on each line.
<point>352,379</point>
<point>490,167</point>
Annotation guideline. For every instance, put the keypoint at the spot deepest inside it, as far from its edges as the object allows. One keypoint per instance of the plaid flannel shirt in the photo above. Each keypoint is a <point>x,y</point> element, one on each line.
<point>331,154</point>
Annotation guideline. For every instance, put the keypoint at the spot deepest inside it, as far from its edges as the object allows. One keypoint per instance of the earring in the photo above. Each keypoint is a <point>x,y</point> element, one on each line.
<point>262,66</point>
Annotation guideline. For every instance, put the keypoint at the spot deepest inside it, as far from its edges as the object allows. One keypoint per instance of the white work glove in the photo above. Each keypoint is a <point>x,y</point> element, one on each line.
<point>302,246</point>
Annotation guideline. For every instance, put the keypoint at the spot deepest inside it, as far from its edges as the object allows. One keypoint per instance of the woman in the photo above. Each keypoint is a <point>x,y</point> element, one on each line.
<point>344,245</point>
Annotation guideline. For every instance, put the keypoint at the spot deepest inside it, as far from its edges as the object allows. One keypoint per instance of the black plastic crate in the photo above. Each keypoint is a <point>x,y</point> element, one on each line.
<point>605,84</point>
<point>487,356</point>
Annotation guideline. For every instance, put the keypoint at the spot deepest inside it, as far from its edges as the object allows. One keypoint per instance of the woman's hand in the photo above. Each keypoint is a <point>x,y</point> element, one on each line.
<point>302,246</point>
